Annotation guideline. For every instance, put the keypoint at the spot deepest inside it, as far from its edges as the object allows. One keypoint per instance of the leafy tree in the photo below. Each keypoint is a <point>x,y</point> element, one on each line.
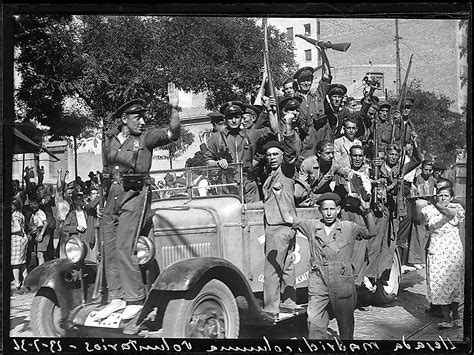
<point>46,63</point>
<point>104,61</point>
<point>440,131</point>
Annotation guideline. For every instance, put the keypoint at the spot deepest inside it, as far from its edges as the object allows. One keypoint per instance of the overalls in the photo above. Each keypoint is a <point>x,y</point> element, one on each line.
<point>331,284</point>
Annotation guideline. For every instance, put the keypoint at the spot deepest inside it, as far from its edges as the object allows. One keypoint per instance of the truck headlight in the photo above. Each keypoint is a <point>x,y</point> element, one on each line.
<point>75,249</point>
<point>145,250</point>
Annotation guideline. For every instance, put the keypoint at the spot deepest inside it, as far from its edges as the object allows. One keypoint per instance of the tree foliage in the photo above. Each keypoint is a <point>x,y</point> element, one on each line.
<point>440,131</point>
<point>104,61</point>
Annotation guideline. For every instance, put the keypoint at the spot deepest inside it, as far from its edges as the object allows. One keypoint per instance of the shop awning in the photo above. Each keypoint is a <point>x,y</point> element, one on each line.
<point>22,144</point>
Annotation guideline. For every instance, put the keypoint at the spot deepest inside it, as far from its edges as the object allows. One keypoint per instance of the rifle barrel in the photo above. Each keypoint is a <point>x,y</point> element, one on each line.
<point>401,97</point>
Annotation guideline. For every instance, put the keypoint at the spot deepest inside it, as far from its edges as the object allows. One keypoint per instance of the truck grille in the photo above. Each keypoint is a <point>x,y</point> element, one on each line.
<point>174,253</point>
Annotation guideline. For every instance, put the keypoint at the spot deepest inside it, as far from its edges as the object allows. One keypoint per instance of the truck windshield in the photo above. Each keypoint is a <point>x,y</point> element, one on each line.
<point>196,182</point>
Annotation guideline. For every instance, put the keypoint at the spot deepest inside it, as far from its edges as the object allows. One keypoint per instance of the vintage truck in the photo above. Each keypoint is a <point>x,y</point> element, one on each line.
<point>202,264</point>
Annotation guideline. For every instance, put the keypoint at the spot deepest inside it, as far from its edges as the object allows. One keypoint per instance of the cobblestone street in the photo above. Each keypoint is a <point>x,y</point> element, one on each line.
<point>403,318</point>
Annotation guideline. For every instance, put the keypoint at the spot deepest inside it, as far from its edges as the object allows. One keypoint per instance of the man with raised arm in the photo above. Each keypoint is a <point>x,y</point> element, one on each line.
<point>235,144</point>
<point>129,148</point>
<point>331,280</point>
<point>279,292</point>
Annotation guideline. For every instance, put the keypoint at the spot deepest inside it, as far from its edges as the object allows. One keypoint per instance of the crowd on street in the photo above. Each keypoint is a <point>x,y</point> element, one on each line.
<point>360,165</point>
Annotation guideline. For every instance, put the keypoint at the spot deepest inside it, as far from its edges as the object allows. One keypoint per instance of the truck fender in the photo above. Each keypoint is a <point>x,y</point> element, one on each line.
<point>181,276</point>
<point>62,277</point>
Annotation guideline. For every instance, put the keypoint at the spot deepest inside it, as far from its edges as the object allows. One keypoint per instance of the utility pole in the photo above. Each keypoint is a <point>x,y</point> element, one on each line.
<point>318,35</point>
<point>397,38</point>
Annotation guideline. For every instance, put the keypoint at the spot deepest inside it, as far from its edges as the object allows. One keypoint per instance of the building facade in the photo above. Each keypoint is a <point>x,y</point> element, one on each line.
<point>438,48</point>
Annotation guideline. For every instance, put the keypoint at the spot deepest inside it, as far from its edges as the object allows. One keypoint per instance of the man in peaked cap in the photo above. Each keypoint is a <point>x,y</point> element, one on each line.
<point>331,280</point>
<point>279,291</point>
<point>335,110</point>
<point>129,151</point>
<point>250,116</point>
<point>235,144</point>
<point>313,122</point>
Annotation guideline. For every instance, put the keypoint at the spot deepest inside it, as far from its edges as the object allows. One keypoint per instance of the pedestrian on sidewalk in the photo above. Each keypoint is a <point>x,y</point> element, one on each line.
<point>445,254</point>
<point>19,243</point>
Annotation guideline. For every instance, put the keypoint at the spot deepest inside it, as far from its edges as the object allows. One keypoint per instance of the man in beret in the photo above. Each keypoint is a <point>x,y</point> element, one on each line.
<point>314,126</point>
<point>235,144</point>
<point>279,291</point>
<point>129,149</point>
<point>331,280</point>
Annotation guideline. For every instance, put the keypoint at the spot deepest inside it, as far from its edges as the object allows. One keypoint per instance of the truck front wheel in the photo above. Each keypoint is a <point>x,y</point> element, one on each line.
<point>45,316</point>
<point>212,313</point>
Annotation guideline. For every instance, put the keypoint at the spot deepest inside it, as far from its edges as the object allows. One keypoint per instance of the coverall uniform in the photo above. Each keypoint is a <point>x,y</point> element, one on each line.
<point>122,211</point>
<point>280,238</point>
<point>331,279</point>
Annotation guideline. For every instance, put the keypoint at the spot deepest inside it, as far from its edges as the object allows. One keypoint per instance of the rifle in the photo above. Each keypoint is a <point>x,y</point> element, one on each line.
<point>147,191</point>
<point>376,168</point>
<point>99,287</point>
<point>267,65</point>
<point>322,46</point>
<point>401,99</point>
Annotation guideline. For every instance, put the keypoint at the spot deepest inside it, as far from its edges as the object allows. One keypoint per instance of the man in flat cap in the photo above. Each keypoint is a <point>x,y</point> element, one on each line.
<point>314,126</point>
<point>331,280</point>
<point>129,150</point>
<point>279,291</point>
<point>235,144</point>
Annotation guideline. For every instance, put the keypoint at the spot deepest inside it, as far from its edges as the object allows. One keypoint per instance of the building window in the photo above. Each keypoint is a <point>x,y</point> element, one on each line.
<point>307,29</point>
<point>289,33</point>
<point>307,55</point>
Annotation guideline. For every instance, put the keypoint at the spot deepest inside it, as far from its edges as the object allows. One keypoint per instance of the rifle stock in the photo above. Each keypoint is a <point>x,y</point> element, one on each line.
<point>376,168</point>
<point>99,286</point>
<point>341,47</point>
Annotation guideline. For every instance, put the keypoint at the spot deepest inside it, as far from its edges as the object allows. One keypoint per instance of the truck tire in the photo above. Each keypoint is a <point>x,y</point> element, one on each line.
<point>212,313</point>
<point>388,293</point>
<point>45,317</point>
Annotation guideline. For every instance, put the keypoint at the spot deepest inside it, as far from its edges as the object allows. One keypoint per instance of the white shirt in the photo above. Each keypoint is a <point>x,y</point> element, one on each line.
<point>39,217</point>
<point>342,148</point>
<point>81,219</point>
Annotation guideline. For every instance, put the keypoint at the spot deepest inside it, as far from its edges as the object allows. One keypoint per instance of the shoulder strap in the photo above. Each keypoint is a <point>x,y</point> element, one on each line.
<point>135,155</point>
